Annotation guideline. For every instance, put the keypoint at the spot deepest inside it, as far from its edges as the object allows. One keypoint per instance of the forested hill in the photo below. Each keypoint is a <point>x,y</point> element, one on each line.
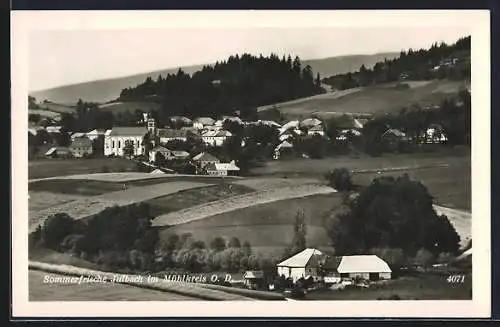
<point>238,83</point>
<point>439,61</point>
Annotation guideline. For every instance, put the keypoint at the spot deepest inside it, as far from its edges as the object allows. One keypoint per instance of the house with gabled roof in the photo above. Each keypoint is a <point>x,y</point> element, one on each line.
<point>301,265</point>
<point>81,147</point>
<point>221,169</point>
<point>215,138</point>
<point>204,158</point>
<point>167,154</point>
<point>368,267</point>
<point>203,122</point>
<point>168,134</point>
<point>58,152</point>
<point>116,138</point>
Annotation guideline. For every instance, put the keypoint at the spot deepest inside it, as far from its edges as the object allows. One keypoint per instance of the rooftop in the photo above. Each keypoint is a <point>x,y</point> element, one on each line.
<point>205,156</point>
<point>128,131</point>
<point>362,264</point>
<point>301,259</point>
<point>81,142</point>
<point>172,133</point>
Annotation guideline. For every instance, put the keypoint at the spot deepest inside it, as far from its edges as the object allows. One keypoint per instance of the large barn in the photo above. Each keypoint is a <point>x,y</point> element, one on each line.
<point>368,267</point>
<point>309,262</point>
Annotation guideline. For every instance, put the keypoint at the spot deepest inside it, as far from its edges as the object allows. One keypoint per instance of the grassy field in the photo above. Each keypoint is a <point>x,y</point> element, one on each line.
<point>94,186</point>
<point>239,202</point>
<point>189,198</point>
<point>43,200</point>
<point>45,113</point>
<point>450,186</point>
<point>268,227</point>
<point>317,167</point>
<point>59,167</point>
<point>447,175</point>
<point>77,187</point>
<point>371,100</point>
<point>94,204</point>
<point>40,291</point>
<point>268,183</point>
<point>56,107</point>
<point>135,178</point>
<point>421,287</point>
<point>117,107</point>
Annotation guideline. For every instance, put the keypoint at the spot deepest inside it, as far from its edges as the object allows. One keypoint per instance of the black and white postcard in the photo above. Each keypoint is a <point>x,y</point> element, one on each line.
<point>175,164</point>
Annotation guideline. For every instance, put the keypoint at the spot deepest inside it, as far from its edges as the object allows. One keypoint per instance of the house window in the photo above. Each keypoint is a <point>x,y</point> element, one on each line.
<point>119,144</point>
<point>113,145</point>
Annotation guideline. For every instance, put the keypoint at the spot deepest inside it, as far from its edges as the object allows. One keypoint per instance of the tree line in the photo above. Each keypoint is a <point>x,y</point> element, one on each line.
<point>452,118</point>
<point>239,83</point>
<point>412,65</point>
<point>391,217</point>
<point>121,238</point>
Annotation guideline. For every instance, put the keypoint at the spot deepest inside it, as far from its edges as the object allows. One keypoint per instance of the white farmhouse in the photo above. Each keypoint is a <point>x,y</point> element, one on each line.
<point>203,122</point>
<point>167,154</point>
<point>114,140</point>
<point>301,265</point>
<point>215,138</point>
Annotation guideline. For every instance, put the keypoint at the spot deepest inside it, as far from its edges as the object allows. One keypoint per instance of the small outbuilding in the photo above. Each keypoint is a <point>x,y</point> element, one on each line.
<point>254,279</point>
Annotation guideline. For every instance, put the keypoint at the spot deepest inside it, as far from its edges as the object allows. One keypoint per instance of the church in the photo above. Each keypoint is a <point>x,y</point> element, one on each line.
<point>116,138</point>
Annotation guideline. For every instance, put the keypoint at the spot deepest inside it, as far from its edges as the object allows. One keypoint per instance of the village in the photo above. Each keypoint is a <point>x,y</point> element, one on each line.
<point>149,143</point>
<point>310,270</point>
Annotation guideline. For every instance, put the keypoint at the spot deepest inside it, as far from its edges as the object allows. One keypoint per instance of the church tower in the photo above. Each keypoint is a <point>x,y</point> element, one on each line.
<point>152,126</point>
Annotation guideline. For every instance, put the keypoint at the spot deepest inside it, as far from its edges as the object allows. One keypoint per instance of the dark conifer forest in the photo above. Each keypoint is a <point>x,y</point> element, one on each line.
<point>239,83</point>
<point>439,61</point>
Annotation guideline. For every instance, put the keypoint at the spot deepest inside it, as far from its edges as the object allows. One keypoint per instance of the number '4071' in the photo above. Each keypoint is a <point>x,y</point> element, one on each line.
<point>456,279</point>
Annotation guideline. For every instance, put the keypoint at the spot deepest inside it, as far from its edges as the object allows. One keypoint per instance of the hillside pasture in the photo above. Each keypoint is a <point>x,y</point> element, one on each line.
<point>73,187</point>
<point>57,107</point>
<point>193,197</point>
<point>239,202</point>
<point>262,184</point>
<point>461,220</point>
<point>40,200</point>
<point>378,99</point>
<point>92,205</point>
<point>135,177</point>
<point>267,227</point>
<point>449,185</point>
<point>318,167</point>
<point>44,168</point>
<point>117,107</point>
<point>45,113</point>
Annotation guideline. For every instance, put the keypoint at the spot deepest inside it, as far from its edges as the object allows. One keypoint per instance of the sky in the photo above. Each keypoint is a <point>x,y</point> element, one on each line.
<point>62,57</point>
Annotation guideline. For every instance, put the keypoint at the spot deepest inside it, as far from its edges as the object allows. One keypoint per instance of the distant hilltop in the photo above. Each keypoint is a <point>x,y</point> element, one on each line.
<point>109,89</point>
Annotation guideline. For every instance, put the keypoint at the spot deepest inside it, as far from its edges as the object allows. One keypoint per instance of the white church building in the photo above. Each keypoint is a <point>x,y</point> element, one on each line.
<point>116,138</point>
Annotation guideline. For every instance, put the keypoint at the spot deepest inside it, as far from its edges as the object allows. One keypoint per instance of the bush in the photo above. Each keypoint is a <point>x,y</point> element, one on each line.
<point>394,297</point>
<point>402,86</point>
<point>423,258</point>
<point>340,179</point>
<point>104,169</point>
<point>56,228</point>
<point>72,243</point>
